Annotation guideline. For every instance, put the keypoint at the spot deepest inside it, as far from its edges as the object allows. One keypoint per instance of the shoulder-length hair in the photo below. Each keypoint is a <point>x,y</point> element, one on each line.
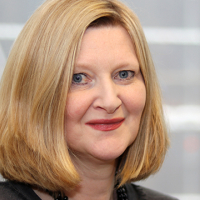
<point>34,89</point>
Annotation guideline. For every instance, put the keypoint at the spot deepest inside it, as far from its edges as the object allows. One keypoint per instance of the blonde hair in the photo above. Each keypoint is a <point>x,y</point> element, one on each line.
<point>34,89</point>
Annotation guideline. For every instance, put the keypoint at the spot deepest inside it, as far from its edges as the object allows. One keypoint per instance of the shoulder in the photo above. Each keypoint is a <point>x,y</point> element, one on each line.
<point>143,193</point>
<point>17,191</point>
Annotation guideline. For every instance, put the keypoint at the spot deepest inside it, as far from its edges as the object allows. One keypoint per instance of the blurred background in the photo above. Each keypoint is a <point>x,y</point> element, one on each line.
<point>172,28</point>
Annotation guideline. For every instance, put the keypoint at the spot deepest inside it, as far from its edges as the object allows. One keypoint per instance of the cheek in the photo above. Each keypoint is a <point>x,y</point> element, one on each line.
<point>135,101</point>
<point>76,106</point>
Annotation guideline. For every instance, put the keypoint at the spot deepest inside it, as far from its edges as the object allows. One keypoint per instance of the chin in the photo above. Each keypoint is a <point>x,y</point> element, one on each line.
<point>109,154</point>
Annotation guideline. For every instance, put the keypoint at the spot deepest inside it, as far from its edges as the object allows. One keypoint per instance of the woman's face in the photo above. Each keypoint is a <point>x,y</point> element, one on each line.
<point>107,95</point>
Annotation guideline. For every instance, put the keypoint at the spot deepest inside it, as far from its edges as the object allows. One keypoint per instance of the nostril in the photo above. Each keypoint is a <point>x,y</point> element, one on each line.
<point>107,104</point>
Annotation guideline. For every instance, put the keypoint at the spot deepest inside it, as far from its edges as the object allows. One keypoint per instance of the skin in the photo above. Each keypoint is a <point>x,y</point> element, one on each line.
<point>107,84</point>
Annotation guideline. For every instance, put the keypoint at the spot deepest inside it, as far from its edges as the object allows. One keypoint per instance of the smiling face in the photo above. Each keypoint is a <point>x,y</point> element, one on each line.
<point>107,95</point>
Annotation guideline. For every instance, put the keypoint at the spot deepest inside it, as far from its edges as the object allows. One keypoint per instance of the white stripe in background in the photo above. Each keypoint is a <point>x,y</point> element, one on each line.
<point>2,60</point>
<point>184,117</point>
<point>9,31</point>
<point>180,36</point>
<point>154,35</point>
<point>187,196</point>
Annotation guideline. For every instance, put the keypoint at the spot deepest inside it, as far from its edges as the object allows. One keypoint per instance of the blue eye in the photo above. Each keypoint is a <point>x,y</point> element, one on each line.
<point>123,74</point>
<point>77,78</point>
<point>80,79</point>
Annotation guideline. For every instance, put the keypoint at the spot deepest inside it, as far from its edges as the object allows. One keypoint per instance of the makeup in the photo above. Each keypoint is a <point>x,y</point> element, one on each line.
<point>105,124</point>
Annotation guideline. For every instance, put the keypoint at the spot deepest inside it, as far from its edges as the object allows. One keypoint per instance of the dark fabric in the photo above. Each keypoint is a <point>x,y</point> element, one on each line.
<point>132,192</point>
<point>147,194</point>
<point>18,191</point>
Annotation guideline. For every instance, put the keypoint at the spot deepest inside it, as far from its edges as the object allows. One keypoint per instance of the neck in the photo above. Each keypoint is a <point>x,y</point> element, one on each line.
<point>97,180</point>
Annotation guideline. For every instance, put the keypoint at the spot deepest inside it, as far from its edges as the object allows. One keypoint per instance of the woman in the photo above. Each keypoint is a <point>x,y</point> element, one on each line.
<point>81,113</point>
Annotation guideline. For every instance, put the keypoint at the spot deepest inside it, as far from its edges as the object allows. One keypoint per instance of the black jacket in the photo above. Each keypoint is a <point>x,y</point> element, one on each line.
<point>18,191</point>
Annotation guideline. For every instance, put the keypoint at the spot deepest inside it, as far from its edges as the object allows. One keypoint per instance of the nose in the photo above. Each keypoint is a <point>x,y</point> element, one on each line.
<point>108,97</point>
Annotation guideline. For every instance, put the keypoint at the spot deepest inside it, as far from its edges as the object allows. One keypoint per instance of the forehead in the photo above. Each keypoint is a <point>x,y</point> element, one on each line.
<point>105,40</point>
<point>111,32</point>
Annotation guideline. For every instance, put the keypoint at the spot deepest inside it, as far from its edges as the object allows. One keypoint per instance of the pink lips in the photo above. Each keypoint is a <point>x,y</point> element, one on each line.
<point>105,124</point>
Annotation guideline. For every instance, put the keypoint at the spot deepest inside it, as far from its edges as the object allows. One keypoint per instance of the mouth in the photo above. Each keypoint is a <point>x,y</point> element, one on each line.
<point>105,124</point>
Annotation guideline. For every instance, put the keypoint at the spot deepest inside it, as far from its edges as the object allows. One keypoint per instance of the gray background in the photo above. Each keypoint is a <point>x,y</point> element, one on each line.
<point>172,28</point>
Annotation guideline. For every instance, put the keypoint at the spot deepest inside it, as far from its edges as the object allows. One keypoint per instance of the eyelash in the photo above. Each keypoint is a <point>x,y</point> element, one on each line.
<point>130,75</point>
